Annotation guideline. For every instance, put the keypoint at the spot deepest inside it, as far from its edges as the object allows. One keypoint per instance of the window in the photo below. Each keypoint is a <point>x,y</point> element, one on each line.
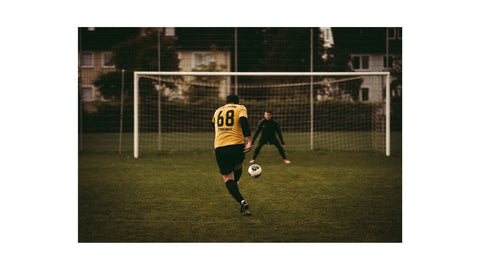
<point>390,61</point>
<point>86,59</point>
<point>361,62</point>
<point>201,59</point>
<point>391,33</point>
<point>365,62</point>
<point>107,60</point>
<point>364,92</point>
<point>395,33</point>
<point>87,93</point>
<point>170,31</point>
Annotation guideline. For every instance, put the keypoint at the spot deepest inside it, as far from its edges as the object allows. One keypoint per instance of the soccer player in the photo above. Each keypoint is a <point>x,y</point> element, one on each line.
<point>269,129</point>
<point>231,127</point>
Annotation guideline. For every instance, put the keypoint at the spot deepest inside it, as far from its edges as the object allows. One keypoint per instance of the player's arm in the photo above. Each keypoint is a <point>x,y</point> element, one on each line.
<point>246,133</point>
<point>277,129</point>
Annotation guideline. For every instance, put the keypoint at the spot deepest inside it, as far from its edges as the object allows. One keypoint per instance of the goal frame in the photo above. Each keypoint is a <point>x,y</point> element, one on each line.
<point>138,74</point>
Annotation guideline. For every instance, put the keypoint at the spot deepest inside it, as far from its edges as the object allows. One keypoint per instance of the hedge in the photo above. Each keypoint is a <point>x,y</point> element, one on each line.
<point>292,114</point>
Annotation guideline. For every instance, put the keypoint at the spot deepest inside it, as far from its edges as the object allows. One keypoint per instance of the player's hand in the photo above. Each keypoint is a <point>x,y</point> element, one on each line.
<point>247,148</point>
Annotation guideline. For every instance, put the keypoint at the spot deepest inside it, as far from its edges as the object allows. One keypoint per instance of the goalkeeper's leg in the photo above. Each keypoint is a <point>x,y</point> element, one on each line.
<point>280,149</point>
<point>257,150</point>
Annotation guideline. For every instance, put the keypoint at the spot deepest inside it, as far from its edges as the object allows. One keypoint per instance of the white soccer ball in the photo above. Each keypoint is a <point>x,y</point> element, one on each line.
<point>254,170</point>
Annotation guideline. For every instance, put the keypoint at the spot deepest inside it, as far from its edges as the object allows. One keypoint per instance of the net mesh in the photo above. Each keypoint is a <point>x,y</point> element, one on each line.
<point>331,113</point>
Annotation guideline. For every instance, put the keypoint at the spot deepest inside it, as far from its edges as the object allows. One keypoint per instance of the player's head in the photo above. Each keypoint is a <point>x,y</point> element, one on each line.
<point>233,99</point>
<point>267,114</point>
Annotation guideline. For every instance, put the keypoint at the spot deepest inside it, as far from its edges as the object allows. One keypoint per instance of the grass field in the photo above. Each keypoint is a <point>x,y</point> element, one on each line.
<point>180,197</point>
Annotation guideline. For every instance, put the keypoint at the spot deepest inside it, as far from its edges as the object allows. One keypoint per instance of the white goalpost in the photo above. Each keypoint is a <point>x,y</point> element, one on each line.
<point>331,111</point>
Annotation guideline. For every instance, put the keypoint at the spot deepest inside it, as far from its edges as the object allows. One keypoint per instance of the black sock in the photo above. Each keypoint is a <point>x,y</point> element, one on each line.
<point>237,174</point>
<point>232,187</point>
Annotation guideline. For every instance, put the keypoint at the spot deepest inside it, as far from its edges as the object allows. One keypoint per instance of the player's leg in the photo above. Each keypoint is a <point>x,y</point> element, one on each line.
<point>232,186</point>
<point>281,151</point>
<point>230,167</point>
<point>261,143</point>
<point>237,173</point>
<point>231,182</point>
<point>244,207</point>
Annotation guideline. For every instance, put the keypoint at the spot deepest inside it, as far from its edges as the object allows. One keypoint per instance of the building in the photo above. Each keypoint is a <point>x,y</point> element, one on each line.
<point>95,58</point>
<point>371,49</point>
<point>196,47</point>
<point>95,55</point>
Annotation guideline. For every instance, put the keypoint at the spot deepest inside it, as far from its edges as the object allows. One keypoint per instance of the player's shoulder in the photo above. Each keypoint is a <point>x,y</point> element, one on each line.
<point>237,107</point>
<point>223,107</point>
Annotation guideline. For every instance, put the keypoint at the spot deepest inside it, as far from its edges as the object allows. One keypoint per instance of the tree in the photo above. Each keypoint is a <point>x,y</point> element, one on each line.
<point>250,49</point>
<point>139,54</point>
<point>109,84</point>
<point>286,50</point>
<point>396,72</point>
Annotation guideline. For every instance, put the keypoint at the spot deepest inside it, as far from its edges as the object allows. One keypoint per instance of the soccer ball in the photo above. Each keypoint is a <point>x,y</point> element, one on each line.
<point>254,170</point>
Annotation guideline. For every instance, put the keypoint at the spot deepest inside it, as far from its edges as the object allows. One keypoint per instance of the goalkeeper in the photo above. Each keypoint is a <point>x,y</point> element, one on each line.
<point>270,129</point>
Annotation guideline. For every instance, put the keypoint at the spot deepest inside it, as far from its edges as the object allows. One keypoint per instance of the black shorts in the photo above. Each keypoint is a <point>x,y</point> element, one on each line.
<point>269,140</point>
<point>228,157</point>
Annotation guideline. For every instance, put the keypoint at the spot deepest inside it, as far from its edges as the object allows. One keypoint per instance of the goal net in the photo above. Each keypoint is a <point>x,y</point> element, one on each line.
<point>335,111</point>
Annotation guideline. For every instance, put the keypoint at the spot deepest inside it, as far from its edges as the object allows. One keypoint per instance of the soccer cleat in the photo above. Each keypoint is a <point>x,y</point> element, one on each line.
<point>244,209</point>
<point>286,161</point>
<point>252,161</point>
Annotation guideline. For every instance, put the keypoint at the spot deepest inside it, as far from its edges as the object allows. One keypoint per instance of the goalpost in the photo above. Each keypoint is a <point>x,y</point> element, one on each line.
<point>332,111</point>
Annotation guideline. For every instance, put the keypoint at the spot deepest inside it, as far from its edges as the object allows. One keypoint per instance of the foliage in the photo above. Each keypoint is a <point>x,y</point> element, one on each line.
<point>285,50</point>
<point>110,84</point>
<point>354,116</point>
<point>396,72</point>
<point>337,60</point>
<point>139,54</point>
<point>288,50</point>
<point>396,115</point>
<point>106,118</point>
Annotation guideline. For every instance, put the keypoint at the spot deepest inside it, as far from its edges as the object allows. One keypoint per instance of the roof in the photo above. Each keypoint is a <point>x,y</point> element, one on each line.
<point>365,40</point>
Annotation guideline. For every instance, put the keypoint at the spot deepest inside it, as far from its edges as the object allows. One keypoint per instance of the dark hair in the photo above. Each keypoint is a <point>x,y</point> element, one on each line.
<point>233,99</point>
<point>268,111</point>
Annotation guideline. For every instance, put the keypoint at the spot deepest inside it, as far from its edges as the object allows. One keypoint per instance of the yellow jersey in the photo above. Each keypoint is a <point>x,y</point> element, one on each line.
<point>228,130</point>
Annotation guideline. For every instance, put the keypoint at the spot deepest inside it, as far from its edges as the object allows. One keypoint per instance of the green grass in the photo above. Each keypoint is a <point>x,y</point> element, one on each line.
<point>181,197</point>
